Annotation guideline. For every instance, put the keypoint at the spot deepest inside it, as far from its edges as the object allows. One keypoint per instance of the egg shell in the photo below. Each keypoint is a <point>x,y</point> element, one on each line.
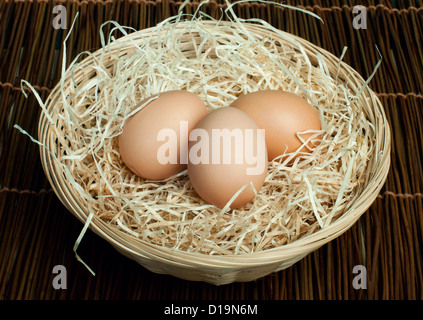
<point>217,182</point>
<point>139,145</point>
<point>282,114</point>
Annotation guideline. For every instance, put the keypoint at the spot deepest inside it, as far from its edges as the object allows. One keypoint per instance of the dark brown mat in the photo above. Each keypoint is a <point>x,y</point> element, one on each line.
<point>37,233</point>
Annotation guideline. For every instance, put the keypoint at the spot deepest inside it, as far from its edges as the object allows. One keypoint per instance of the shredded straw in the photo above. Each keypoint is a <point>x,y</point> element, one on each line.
<point>217,61</point>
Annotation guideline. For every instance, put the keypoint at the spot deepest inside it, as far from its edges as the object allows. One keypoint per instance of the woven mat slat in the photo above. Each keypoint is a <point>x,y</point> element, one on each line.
<point>16,170</point>
<point>405,116</point>
<point>36,231</point>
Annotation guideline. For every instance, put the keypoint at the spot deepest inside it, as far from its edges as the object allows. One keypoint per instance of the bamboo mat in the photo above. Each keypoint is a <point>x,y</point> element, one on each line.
<point>37,233</point>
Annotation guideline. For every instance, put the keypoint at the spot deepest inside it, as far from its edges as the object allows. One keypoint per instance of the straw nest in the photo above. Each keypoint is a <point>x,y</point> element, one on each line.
<point>164,225</point>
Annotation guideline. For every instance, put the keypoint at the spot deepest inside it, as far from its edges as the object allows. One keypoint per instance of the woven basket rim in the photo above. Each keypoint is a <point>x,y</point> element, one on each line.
<point>300,246</point>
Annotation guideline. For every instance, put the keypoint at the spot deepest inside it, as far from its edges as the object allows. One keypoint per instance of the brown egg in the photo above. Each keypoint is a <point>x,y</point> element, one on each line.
<point>227,151</point>
<point>282,115</point>
<point>154,141</point>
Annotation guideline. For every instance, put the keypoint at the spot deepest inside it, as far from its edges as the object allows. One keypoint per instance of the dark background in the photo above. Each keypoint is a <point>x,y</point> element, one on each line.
<point>37,232</point>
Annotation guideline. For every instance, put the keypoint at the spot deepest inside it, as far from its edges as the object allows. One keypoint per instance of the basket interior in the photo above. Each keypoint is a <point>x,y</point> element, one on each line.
<point>57,137</point>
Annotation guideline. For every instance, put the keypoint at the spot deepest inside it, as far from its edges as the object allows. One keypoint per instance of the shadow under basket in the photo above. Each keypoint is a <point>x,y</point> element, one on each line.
<point>219,269</point>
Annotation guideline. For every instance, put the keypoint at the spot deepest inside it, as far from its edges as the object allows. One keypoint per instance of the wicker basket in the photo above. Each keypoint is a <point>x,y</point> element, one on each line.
<point>227,269</point>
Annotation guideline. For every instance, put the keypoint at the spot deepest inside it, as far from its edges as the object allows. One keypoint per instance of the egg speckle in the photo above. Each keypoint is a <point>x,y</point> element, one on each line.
<point>282,115</point>
<point>154,141</point>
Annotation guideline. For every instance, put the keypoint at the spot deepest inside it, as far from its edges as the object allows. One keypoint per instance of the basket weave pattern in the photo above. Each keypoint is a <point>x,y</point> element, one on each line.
<point>226,269</point>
